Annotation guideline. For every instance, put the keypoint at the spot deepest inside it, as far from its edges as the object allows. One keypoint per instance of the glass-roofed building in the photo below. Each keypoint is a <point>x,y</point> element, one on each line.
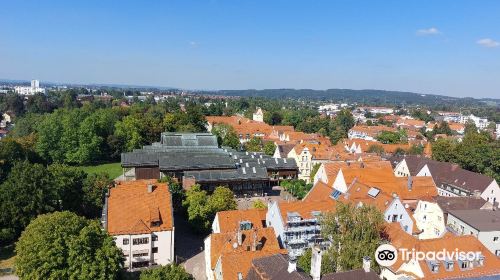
<point>196,158</point>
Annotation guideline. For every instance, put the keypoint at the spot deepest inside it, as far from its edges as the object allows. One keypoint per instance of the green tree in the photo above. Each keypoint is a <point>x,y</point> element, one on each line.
<point>26,193</point>
<point>378,149</point>
<point>62,245</point>
<point>221,199</point>
<point>389,137</point>
<point>314,170</point>
<point>254,145</point>
<point>201,207</point>
<point>129,130</point>
<point>226,136</point>
<point>94,188</point>
<point>67,183</point>
<point>444,150</point>
<point>354,233</point>
<point>197,208</point>
<point>259,204</point>
<point>171,271</point>
<point>269,148</point>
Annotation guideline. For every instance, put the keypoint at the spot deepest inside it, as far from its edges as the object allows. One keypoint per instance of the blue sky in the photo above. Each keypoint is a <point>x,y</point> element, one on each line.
<point>439,47</point>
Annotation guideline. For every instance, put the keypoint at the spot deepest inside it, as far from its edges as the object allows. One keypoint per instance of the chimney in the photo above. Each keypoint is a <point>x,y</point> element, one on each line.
<point>410,183</point>
<point>316,263</point>
<point>292,265</point>
<point>239,237</point>
<point>254,241</point>
<point>151,188</point>
<point>367,264</point>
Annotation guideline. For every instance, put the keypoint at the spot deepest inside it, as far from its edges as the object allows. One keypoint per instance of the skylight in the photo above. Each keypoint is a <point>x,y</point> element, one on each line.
<point>336,194</point>
<point>373,192</point>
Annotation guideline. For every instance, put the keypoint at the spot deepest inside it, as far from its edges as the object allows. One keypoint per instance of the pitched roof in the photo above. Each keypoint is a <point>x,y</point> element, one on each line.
<point>284,149</point>
<point>320,191</point>
<point>229,220</point>
<point>482,220</point>
<point>460,203</point>
<point>357,274</point>
<point>273,267</point>
<point>237,259</point>
<point>306,208</point>
<point>132,209</point>
<point>449,243</point>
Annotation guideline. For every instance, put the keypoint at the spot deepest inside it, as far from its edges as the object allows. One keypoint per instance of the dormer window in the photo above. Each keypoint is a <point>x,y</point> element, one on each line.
<point>448,265</point>
<point>433,266</point>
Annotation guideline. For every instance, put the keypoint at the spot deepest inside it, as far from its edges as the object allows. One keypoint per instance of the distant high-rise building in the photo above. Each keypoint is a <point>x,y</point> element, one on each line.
<point>31,90</point>
<point>35,84</point>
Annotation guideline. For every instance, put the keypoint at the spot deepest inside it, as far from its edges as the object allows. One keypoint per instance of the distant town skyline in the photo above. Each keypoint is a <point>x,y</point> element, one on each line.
<point>448,47</point>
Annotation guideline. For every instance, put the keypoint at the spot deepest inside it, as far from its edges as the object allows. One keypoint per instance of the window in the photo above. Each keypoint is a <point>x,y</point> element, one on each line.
<point>497,252</point>
<point>495,239</point>
<point>139,241</point>
<point>154,238</point>
<point>140,255</point>
<point>155,250</point>
<point>125,241</point>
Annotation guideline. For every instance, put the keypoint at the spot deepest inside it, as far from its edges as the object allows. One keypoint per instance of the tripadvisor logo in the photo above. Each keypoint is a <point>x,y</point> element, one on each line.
<point>387,255</point>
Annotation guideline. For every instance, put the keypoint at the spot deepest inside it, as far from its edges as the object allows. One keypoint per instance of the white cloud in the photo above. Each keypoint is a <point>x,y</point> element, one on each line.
<point>428,31</point>
<point>488,43</point>
<point>193,44</point>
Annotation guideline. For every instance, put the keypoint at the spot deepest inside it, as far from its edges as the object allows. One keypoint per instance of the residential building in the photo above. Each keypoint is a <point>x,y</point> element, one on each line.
<point>229,255</point>
<point>5,120</point>
<point>483,264</point>
<point>307,154</point>
<point>282,150</point>
<point>429,219</point>
<point>296,224</point>
<point>450,179</point>
<point>447,204</point>
<point>139,216</point>
<point>481,123</point>
<point>368,132</point>
<point>282,267</point>
<point>258,116</point>
<point>377,110</point>
<point>229,221</point>
<point>482,224</point>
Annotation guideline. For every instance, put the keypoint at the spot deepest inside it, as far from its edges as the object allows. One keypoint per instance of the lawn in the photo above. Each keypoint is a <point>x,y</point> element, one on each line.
<point>6,258</point>
<point>113,169</point>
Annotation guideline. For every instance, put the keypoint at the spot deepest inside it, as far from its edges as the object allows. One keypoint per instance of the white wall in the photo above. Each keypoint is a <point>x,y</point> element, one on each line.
<point>492,193</point>
<point>401,169</point>
<point>429,218</point>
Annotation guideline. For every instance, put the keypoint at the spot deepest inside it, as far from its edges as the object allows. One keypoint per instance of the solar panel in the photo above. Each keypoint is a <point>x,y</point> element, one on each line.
<point>336,194</point>
<point>373,192</point>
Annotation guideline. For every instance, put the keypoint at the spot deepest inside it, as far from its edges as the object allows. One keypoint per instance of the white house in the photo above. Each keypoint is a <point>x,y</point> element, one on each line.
<point>258,116</point>
<point>139,215</point>
<point>429,219</point>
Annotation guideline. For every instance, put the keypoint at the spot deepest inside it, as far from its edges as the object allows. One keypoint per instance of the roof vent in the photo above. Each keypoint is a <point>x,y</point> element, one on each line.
<point>244,171</point>
<point>151,188</point>
<point>284,160</point>
<point>253,170</point>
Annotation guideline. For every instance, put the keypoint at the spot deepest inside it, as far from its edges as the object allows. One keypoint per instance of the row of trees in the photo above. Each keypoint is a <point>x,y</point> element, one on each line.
<point>393,137</point>
<point>412,150</point>
<point>96,133</point>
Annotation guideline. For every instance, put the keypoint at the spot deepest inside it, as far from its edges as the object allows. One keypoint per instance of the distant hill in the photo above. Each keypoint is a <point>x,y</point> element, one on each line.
<point>365,96</point>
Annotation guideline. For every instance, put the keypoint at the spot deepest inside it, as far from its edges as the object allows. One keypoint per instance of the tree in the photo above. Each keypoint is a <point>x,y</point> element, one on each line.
<point>269,148</point>
<point>259,204</point>
<point>354,232</point>
<point>130,131</point>
<point>378,149</point>
<point>62,245</point>
<point>26,193</point>
<point>389,137</point>
<point>94,188</point>
<point>254,145</point>
<point>444,150</point>
<point>197,209</point>
<point>67,183</point>
<point>314,170</point>
<point>226,136</point>
<point>201,208</point>
<point>222,199</point>
<point>171,271</point>
<point>470,126</point>
<point>272,118</point>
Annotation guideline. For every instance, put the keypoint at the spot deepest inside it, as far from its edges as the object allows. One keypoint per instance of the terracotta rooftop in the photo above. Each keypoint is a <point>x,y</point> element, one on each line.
<point>229,221</point>
<point>306,208</point>
<point>238,258</point>
<point>450,243</point>
<point>132,209</point>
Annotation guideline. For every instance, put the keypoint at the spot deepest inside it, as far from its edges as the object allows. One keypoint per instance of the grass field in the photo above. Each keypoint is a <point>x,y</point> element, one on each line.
<point>7,257</point>
<point>113,169</point>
